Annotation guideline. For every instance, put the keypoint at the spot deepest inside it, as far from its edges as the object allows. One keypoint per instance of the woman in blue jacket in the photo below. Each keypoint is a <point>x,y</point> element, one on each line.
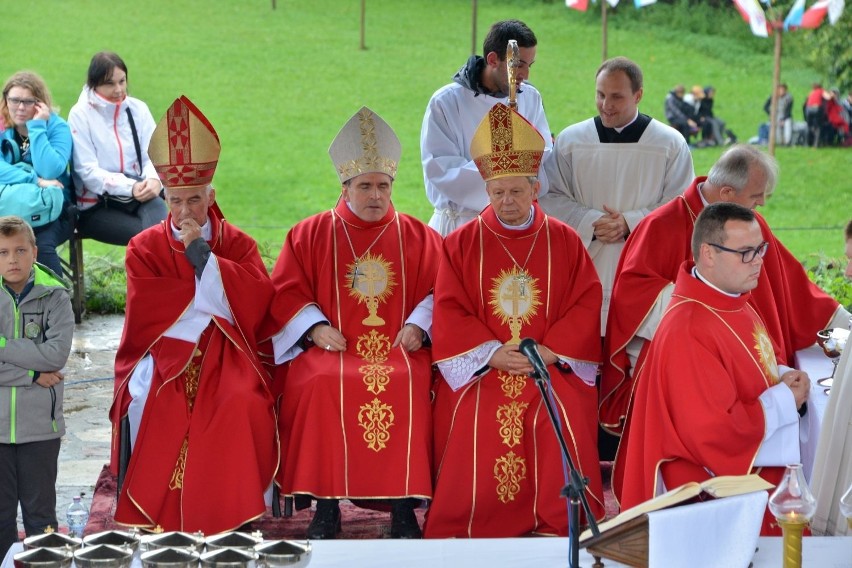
<point>36,149</point>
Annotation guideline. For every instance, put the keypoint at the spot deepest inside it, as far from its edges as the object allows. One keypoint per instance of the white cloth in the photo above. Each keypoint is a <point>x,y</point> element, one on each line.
<point>780,444</point>
<point>832,475</point>
<point>453,183</point>
<point>103,146</point>
<point>139,387</point>
<point>585,175</point>
<point>511,553</point>
<point>461,370</point>
<point>721,532</point>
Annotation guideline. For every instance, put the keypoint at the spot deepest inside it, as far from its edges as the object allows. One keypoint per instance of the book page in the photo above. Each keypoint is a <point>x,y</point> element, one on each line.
<point>721,486</point>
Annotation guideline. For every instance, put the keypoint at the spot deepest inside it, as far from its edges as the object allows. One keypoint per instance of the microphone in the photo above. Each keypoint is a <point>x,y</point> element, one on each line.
<point>529,348</point>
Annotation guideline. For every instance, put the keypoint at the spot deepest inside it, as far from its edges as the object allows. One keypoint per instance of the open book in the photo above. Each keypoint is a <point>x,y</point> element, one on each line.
<point>721,486</point>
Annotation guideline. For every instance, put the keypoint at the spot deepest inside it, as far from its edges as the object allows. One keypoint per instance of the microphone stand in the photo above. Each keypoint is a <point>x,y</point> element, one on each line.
<point>575,489</point>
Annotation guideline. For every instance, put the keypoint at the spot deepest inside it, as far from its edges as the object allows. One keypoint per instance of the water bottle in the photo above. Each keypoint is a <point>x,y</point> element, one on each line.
<point>77,515</point>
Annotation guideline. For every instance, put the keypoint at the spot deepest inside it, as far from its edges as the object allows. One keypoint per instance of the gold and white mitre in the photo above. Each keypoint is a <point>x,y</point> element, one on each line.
<point>184,147</point>
<point>364,145</point>
<point>506,144</point>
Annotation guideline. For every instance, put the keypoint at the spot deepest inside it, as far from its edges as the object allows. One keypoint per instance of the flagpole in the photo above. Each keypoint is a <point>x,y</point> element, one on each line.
<point>778,26</point>
<point>603,27</point>
<point>776,23</point>
<point>363,24</point>
<point>473,30</point>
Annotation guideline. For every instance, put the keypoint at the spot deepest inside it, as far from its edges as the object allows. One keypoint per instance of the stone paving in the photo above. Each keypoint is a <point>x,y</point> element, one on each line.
<point>88,395</point>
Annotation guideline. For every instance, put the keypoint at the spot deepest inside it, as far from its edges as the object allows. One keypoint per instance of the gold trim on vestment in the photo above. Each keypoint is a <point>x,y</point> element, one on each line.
<point>769,379</point>
<point>372,281</point>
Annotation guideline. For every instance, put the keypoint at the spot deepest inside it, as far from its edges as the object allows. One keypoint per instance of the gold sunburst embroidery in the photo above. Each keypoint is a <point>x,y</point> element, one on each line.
<point>763,346</point>
<point>371,281</point>
<point>514,299</point>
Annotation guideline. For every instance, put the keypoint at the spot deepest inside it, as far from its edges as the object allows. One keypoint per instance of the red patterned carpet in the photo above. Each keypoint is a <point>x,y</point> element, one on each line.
<point>358,523</point>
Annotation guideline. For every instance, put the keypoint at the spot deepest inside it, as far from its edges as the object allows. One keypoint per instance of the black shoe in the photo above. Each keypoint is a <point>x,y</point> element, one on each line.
<point>326,522</point>
<point>403,521</point>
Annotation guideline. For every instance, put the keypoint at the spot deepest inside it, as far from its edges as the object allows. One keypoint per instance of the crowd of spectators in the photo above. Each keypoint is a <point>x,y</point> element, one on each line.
<point>826,119</point>
<point>693,116</point>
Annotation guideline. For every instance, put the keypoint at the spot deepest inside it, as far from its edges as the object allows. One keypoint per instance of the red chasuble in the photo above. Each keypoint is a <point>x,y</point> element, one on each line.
<point>697,409</point>
<point>499,465</point>
<point>792,307</point>
<point>206,448</point>
<point>356,423</point>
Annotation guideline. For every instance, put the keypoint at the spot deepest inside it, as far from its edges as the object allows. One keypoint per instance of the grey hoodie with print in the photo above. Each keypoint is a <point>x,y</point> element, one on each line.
<point>35,336</point>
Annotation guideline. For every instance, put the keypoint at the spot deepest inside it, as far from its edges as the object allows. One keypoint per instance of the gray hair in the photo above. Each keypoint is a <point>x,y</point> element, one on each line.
<point>732,169</point>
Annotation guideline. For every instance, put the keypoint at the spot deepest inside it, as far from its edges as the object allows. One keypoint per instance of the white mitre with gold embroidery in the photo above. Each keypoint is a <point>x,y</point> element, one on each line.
<point>364,145</point>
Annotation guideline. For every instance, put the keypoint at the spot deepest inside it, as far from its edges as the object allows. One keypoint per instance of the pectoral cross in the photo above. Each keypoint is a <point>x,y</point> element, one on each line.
<point>355,274</point>
<point>522,279</point>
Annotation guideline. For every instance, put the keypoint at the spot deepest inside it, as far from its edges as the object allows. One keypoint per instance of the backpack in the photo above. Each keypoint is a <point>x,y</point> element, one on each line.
<point>36,205</point>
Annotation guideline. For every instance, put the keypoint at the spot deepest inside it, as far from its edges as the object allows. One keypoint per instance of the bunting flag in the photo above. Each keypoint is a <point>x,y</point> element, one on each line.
<point>641,3</point>
<point>815,15</point>
<point>612,3</point>
<point>752,13</point>
<point>581,5</point>
<point>794,18</point>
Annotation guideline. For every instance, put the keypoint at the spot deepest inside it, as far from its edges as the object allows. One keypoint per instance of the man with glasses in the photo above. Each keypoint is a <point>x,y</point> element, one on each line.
<point>791,306</point>
<point>712,399</point>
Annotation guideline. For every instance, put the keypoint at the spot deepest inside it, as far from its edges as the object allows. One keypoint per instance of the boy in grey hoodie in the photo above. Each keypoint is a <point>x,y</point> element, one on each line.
<point>36,326</point>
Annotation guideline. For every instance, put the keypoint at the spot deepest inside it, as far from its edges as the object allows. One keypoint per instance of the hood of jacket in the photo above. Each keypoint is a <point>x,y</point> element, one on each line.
<point>470,77</point>
<point>91,99</point>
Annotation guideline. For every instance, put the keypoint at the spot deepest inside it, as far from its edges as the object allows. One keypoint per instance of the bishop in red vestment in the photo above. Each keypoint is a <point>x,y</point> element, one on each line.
<point>792,307</point>
<point>352,306</point>
<point>512,273</point>
<point>205,448</point>
<point>709,398</point>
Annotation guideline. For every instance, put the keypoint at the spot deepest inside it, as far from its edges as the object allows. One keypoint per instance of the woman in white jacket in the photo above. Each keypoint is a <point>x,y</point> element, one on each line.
<point>111,132</point>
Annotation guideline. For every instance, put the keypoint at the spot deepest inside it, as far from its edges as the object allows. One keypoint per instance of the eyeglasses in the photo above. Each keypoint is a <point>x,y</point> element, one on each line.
<point>748,254</point>
<point>26,103</point>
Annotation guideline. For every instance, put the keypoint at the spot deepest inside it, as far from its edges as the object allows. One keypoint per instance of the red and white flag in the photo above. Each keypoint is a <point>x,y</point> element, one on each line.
<point>752,13</point>
<point>581,5</point>
<point>815,15</point>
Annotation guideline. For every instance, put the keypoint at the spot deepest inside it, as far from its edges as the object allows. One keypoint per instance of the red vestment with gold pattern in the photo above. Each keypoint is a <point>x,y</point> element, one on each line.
<point>499,466</point>
<point>356,423</point>
<point>697,409</point>
<point>206,449</point>
<point>792,307</point>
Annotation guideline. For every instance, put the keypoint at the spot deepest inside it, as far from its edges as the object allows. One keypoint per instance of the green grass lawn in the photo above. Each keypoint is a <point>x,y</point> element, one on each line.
<point>278,84</point>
